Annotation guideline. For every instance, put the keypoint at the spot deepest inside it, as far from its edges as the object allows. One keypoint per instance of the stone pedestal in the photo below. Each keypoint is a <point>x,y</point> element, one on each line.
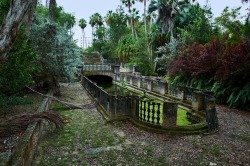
<point>210,103</point>
<point>134,69</point>
<point>149,84</point>
<point>198,101</point>
<point>116,69</point>
<point>169,114</point>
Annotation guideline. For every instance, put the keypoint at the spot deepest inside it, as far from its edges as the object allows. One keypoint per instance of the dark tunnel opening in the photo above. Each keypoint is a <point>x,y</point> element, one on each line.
<point>100,79</point>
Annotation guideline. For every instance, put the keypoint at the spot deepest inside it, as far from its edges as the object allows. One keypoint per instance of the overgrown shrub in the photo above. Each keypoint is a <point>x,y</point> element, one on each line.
<point>16,72</point>
<point>13,100</point>
<point>223,68</point>
<point>57,53</point>
<point>166,54</point>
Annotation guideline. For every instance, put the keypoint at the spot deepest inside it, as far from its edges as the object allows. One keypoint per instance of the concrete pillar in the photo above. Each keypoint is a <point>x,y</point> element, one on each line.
<point>149,84</point>
<point>112,106</point>
<point>210,102</point>
<point>166,88</point>
<point>134,69</point>
<point>131,80</point>
<point>116,69</point>
<point>198,101</point>
<point>184,93</point>
<point>134,107</point>
<point>162,88</point>
<point>138,81</point>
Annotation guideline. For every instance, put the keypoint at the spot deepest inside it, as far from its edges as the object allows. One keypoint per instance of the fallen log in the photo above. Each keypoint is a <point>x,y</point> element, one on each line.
<point>68,104</point>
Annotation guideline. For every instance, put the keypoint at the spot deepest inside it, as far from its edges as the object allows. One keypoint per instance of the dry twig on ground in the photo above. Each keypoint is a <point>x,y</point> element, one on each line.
<point>19,123</point>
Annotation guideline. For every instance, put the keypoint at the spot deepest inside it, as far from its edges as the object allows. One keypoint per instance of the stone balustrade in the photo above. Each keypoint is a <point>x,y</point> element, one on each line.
<point>101,67</point>
<point>150,114</point>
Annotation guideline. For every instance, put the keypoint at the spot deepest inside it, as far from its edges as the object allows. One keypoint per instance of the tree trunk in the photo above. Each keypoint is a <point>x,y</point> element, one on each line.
<point>145,18</point>
<point>30,18</point>
<point>56,86</point>
<point>133,28</point>
<point>83,39</point>
<point>19,9</point>
<point>52,8</point>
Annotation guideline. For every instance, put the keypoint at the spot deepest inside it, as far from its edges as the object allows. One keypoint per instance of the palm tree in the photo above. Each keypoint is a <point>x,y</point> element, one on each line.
<point>52,7</point>
<point>167,11</point>
<point>92,23</point>
<point>108,17</point>
<point>134,19</point>
<point>128,4</point>
<point>95,20</point>
<point>144,14</point>
<point>83,24</point>
<point>71,22</point>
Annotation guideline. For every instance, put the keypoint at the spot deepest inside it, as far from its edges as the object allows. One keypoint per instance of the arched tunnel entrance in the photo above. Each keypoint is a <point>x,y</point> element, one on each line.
<point>101,79</point>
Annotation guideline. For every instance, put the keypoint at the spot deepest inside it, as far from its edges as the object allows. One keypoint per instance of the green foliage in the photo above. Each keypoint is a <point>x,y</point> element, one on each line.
<point>96,20</point>
<point>182,118</point>
<point>107,38</point>
<point>230,24</point>
<point>58,54</point>
<point>192,24</point>
<point>82,23</point>
<point>167,13</point>
<point>16,72</point>
<point>100,34</point>
<point>117,24</point>
<point>166,54</point>
<point>246,27</point>
<point>143,65</point>
<point>60,17</point>
<point>237,97</point>
<point>4,8</point>
<point>13,100</point>
<point>127,48</point>
<point>140,58</point>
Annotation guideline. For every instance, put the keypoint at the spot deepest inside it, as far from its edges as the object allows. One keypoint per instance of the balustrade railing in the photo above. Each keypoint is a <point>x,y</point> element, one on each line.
<point>150,112</point>
<point>96,68</point>
<point>199,101</point>
<point>162,114</point>
<point>115,106</point>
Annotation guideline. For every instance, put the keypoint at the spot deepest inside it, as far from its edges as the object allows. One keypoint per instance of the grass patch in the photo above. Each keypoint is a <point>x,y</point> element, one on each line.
<point>182,118</point>
<point>216,150</point>
<point>84,131</point>
<point>245,137</point>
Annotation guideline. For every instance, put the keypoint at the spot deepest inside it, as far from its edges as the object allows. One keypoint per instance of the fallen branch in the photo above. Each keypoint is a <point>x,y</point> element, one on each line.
<point>19,123</point>
<point>67,104</point>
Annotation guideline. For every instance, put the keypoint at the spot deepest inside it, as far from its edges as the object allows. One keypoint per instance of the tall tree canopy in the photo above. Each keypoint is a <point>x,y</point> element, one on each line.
<point>19,12</point>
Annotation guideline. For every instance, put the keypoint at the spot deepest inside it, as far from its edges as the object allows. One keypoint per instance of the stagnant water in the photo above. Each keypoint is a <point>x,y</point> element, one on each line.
<point>113,89</point>
<point>106,83</point>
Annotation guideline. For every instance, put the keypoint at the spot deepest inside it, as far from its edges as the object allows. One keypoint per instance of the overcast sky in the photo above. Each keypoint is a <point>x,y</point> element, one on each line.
<point>85,8</point>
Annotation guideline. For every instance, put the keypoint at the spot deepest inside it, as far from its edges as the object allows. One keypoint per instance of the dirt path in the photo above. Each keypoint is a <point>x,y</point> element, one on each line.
<point>88,140</point>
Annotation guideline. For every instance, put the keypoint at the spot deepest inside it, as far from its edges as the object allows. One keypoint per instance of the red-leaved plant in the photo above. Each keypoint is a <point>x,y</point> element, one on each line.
<point>228,66</point>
